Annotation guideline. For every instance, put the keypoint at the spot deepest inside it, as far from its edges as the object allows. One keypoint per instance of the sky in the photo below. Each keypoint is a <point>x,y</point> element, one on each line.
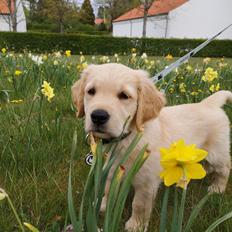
<point>94,5</point>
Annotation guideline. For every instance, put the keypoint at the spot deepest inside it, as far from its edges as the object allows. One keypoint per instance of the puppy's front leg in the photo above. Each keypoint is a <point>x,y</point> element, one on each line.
<point>142,206</point>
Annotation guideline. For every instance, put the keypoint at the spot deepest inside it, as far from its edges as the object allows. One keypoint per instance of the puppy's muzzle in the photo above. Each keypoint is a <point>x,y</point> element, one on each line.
<point>99,117</point>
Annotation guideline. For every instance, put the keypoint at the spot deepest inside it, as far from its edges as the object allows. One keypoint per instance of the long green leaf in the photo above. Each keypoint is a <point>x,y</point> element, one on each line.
<point>164,210</point>
<point>196,211</point>
<point>72,212</point>
<point>124,190</point>
<point>181,211</point>
<point>219,221</point>
<point>111,200</point>
<point>110,163</point>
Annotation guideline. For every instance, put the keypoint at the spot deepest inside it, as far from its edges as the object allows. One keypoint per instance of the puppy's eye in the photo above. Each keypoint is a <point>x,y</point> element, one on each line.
<point>123,96</point>
<point>91,91</point>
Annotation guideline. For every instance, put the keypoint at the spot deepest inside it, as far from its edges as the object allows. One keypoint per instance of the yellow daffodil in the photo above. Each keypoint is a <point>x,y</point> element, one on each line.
<point>182,87</point>
<point>105,59</point>
<point>58,54</point>
<point>168,57</point>
<point>189,68</point>
<point>17,101</point>
<point>47,90</point>
<point>171,90</point>
<point>180,163</point>
<point>194,93</point>
<point>133,50</point>
<point>30,227</point>
<point>45,57</point>
<point>82,58</point>
<point>18,72</point>
<point>222,65</point>
<point>81,67</point>
<point>214,88</point>
<point>68,53</point>
<point>4,50</point>
<point>55,62</point>
<point>209,75</point>
<point>206,60</point>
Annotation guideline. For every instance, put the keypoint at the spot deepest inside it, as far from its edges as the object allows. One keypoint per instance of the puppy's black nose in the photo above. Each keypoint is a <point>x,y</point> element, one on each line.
<point>99,117</point>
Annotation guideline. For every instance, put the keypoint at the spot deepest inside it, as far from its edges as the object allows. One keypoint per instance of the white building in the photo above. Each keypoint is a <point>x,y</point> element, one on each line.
<point>178,19</point>
<point>6,19</point>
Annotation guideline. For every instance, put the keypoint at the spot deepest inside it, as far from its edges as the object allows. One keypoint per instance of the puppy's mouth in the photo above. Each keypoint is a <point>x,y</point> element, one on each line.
<point>101,133</point>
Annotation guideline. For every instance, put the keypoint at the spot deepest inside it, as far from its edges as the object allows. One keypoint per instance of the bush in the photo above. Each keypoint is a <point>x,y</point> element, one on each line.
<point>106,45</point>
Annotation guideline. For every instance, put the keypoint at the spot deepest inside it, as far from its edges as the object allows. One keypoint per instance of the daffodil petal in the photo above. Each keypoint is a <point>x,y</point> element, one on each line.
<point>2,196</point>
<point>201,154</point>
<point>172,175</point>
<point>195,171</point>
<point>168,163</point>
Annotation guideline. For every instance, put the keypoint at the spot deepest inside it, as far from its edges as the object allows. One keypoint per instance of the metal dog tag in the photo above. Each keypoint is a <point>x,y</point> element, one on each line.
<point>89,158</point>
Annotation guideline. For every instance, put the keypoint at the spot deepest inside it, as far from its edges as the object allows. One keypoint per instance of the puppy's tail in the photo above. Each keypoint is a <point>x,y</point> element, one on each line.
<point>218,99</point>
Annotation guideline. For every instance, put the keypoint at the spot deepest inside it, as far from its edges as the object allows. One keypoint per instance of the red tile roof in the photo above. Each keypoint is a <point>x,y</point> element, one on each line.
<point>4,9</point>
<point>157,7</point>
<point>99,21</point>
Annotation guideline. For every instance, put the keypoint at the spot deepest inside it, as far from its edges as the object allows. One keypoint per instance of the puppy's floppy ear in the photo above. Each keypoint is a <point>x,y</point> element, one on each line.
<point>78,92</point>
<point>150,100</point>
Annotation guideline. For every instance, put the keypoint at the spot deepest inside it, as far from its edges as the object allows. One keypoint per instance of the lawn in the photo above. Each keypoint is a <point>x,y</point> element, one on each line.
<point>36,134</point>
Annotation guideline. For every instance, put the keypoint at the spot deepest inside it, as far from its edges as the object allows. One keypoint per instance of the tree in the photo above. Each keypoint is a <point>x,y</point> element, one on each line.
<point>146,6</point>
<point>115,8</point>
<point>58,12</point>
<point>86,13</point>
<point>12,18</point>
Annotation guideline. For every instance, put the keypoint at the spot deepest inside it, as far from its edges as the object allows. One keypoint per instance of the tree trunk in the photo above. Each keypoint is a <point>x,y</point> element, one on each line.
<point>13,11</point>
<point>61,27</point>
<point>146,7</point>
<point>145,23</point>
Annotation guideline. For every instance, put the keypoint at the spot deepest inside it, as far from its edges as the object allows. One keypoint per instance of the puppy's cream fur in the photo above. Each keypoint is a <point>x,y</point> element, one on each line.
<point>204,124</point>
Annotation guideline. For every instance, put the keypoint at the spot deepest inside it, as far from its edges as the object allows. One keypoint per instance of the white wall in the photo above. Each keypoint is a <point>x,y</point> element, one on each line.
<point>21,26</point>
<point>3,24</point>
<point>156,26</point>
<point>134,28</point>
<point>200,19</point>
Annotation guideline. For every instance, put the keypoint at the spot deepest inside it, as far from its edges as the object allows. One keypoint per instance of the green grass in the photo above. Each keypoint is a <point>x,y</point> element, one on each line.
<point>35,143</point>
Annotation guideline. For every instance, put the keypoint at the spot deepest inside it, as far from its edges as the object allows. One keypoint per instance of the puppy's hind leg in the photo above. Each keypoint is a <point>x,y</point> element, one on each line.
<point>220,163</point>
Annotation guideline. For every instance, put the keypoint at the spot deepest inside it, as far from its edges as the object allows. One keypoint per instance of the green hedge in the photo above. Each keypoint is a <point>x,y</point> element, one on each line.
<point>107,45</point>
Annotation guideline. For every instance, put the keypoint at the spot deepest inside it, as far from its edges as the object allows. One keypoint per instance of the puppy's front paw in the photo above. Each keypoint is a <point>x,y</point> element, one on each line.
<point>134,226</point>
<point>216,188</point>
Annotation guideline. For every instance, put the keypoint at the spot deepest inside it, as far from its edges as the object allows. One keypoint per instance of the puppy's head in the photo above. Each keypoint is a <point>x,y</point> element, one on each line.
<point>110,94</point>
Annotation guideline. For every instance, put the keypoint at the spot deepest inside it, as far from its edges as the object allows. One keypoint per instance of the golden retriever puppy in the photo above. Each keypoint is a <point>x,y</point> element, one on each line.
<point>108,94</point>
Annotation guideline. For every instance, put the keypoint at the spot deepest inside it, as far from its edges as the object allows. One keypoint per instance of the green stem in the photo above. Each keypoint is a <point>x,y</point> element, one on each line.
<point>15,213</point>
<point>181,211</point>
<point>182,204</point>
<point>175,215</point>
<point>40,115</point>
